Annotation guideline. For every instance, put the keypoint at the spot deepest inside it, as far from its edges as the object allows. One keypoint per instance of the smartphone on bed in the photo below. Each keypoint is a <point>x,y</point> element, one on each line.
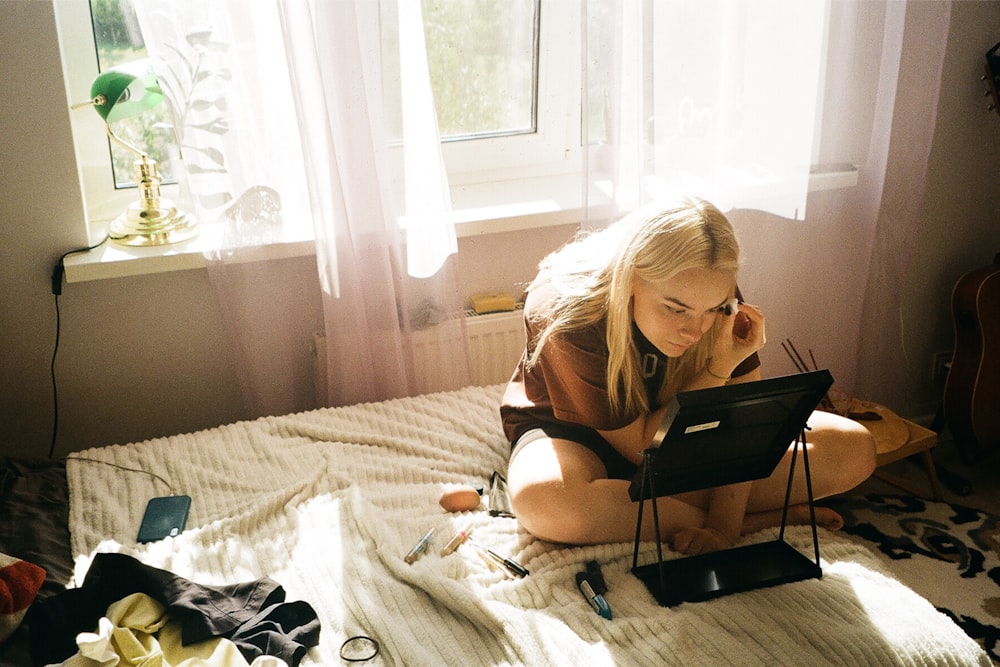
<point>165,516</point>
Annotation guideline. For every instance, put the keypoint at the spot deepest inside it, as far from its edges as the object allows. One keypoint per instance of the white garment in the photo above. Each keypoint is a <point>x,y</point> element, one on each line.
<point>138,631</point>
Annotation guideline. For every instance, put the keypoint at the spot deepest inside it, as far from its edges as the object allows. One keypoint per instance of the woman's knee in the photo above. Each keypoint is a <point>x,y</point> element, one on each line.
<point>549,484</point>
<point>866,450</point>
<point>849,449</point>
<point>544,512</point>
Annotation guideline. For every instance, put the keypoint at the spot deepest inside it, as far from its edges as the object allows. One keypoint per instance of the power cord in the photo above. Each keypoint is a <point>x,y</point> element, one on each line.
<point>57,283</point>
<point>58,273</point>
<point>170,489</point>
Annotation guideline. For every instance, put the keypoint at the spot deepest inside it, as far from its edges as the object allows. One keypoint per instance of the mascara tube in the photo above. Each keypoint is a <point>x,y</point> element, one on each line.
<point>508,564</point>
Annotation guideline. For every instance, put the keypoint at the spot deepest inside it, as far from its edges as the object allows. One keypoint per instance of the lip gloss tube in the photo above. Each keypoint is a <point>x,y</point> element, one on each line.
<point>419,548</point>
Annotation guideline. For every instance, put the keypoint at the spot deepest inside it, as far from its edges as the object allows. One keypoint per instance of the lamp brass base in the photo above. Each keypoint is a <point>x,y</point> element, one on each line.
<point>161,225</point>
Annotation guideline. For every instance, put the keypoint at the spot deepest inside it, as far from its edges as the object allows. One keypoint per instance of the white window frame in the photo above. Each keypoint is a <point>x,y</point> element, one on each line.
<point>474,165</point>
<point>554,146</point>
<point>103,201</point>
<point>498,184</point>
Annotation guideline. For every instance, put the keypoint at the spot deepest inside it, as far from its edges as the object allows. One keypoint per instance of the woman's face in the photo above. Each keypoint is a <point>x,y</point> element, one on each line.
<point>674,314</point>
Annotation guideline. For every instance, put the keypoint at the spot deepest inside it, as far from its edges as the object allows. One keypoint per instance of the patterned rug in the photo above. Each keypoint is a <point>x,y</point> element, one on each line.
<point>947,553</point>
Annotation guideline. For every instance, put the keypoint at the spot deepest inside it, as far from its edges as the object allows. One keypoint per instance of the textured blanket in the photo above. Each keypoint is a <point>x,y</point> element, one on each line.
<point>948,553</point>
<point>329,502</point>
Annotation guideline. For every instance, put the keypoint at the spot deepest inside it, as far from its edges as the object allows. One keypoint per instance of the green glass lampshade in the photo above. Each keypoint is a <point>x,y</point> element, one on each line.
<point>126,91</point>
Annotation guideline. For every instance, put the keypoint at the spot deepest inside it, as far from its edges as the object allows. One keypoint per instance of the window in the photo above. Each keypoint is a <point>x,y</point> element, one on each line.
<point>482,58</point>
<point>492,126</point>
<point>104,187</point>
<point>118,41</point>
<point>506,78</point>
<point>505,84</point>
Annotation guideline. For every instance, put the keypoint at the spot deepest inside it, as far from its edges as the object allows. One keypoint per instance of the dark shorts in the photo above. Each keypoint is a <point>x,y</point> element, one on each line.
<point>618,466</point>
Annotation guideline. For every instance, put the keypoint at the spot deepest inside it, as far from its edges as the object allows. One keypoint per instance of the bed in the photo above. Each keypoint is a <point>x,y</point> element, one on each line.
<point>329,502</point>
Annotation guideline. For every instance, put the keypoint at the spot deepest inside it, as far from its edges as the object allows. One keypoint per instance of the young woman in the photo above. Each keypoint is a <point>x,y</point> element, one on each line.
<point>617,323</point>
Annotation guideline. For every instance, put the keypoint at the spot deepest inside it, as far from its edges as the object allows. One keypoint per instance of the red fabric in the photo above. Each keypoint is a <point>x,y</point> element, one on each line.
<point>19,583</point>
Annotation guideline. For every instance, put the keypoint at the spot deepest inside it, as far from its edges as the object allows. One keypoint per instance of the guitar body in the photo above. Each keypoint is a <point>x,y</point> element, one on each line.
<point>972,390</point>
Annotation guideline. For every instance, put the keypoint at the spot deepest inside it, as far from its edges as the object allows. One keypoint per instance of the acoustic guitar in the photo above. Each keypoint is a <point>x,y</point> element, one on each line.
<point>972,390</point>
<point>992,78</point>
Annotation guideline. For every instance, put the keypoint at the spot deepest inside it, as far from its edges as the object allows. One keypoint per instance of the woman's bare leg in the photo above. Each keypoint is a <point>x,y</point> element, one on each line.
<point>841,455</point>
<point>560,492</point>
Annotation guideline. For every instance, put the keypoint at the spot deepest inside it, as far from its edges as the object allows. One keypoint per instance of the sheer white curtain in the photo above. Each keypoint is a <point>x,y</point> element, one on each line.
<point>394,323</point>
<point>715,99</point>
<point>733,100</point>
<point>282,111</point>
<point>893,184</point>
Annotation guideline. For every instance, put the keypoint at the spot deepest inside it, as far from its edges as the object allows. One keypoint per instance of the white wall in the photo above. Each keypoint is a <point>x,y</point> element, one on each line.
<point>955,228</point>
<point>147,356</point>
<point>959,228</point>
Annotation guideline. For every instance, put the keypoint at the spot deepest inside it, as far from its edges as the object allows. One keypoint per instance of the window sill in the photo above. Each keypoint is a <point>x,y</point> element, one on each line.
<point>111,260</point>
<point>477,210</point>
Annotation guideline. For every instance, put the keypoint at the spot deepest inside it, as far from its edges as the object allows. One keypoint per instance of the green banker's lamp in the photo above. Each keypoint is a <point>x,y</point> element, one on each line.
<point>125,92</point>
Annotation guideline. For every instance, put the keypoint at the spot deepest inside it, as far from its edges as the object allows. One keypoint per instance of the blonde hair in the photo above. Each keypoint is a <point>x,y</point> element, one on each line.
<point>593,278</point>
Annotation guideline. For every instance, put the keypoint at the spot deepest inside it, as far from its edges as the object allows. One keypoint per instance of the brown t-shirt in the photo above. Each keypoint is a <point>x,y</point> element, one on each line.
<point>568,383</point>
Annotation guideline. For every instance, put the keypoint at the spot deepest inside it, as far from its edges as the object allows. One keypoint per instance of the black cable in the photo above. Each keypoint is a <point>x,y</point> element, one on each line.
<point>58,271</point>
<point>170,489</point>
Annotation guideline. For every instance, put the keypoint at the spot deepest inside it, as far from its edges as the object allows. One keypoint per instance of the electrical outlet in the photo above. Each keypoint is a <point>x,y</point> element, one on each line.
<point>940,363</point>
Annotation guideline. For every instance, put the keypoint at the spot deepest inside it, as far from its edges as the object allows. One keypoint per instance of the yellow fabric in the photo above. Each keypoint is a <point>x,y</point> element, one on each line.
<point>494,302</point>
<point>137,632</point>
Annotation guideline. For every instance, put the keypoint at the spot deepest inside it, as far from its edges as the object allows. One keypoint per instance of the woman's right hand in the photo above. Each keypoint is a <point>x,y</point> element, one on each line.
<point>740,335</point>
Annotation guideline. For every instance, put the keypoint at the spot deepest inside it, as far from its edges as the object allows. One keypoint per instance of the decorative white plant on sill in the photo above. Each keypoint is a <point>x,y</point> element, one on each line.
<point>197,83</point>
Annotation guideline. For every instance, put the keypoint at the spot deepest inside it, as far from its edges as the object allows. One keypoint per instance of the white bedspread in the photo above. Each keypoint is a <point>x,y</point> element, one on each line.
<point>328,503</point>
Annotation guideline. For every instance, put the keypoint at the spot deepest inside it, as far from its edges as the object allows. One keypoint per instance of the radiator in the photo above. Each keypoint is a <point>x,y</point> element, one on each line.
<point>495,340</point>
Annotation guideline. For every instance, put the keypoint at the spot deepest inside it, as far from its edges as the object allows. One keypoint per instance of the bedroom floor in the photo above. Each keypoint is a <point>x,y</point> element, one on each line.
<point>984,476</point>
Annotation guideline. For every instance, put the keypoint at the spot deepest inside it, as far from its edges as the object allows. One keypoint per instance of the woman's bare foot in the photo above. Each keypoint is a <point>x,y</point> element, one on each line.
<point>825,517</point>
<point>797,515</point>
